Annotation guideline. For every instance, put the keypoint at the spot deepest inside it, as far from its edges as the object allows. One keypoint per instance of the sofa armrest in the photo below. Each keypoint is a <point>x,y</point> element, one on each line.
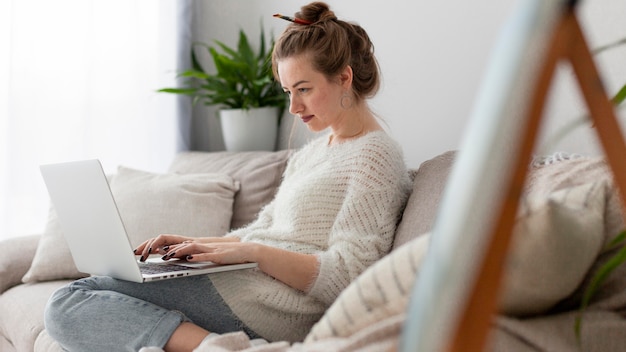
<point>17,255</point>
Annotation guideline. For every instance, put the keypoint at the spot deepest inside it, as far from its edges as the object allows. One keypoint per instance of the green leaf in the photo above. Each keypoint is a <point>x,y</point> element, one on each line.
<point>187,91</point>
<point>228,50</point>
<point>620,96</point>
<point>193,74</point>
<point>244,49</point>
<point>599,277</point>
<point>617,241</point>
<point>262,54</point>
<point>195,63</point>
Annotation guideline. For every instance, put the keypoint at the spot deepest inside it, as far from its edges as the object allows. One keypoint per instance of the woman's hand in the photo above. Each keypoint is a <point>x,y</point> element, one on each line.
<point>221,252</point>
<point>162,244</point>
<point>158,244</point>
<point>297,270</point>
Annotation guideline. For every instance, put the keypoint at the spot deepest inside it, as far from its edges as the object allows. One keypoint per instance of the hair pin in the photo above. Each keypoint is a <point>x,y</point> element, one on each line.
<point>293,19</point>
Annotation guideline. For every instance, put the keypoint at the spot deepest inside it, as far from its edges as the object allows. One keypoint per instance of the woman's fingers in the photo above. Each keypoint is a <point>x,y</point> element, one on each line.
<point>159,244</point>
<point>181,250</point>
<point>222,253</point>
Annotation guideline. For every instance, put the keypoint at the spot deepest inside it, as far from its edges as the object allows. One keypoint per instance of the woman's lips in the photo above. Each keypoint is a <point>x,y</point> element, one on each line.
<point>307,118</point>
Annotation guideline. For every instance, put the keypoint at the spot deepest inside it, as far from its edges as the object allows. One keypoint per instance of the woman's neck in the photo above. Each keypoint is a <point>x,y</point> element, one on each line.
<point>358,123</point>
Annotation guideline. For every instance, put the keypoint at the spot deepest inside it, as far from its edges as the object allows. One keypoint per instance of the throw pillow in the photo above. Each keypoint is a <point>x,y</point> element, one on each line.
<point>556,239</point>
<point>14,263</point>
<point>567,172</point>
<point>149,204</point>
<point>259,174</point>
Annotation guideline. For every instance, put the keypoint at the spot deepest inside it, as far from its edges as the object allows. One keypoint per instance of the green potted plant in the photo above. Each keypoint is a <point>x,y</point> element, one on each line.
<point>251,101</point>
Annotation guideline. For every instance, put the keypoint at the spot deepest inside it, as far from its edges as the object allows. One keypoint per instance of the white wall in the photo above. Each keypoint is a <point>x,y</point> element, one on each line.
<point>433,55</point>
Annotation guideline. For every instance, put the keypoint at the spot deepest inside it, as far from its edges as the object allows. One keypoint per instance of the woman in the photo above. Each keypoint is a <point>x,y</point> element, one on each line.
<point>334,215</point>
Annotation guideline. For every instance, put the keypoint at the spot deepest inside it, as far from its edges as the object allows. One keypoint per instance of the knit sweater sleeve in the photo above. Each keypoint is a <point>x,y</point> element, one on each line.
<point>363,230</point>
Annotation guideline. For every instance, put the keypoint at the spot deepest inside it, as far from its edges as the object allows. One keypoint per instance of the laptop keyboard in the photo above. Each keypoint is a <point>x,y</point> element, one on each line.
<point>153,268</point>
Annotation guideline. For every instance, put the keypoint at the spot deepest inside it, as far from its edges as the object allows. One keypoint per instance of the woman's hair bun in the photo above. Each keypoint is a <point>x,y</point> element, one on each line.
<point>316,12</point>
<point>331,44</point>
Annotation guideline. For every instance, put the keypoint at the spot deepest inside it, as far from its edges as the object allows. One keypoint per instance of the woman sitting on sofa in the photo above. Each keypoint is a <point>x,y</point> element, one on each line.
<point>334,214</point>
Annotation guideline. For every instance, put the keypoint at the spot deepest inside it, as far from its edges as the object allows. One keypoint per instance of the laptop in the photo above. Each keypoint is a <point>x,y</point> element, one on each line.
<point>95,232</point>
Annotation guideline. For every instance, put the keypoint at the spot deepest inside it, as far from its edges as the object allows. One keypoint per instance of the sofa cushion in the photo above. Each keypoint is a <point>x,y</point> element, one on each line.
<point>149,204</point>
<point>6,345</point>
<point>548,175</point>
<point>259,175</point>
<point>22,309</point>
<point>421,209</point>
<point>556,239</point>
<point>45,343</point>
<point>15,263</point>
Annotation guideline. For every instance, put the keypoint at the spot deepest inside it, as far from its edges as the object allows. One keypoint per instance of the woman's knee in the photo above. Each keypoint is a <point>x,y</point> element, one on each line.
<point>57,314</point>
<point>54,312</point>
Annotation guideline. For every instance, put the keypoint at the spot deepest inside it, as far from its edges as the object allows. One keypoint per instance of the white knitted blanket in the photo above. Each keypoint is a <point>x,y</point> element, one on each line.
<point>382,336</point>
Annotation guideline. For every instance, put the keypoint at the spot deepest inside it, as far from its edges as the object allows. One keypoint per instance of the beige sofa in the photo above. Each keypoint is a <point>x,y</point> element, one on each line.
<point>569,212</point>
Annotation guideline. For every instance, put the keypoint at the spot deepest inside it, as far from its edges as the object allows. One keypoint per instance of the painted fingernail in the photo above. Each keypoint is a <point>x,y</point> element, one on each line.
<point>164,257</point>
<point>142,259</point>
<point>166,248</point>
<point>135,250</point>
<point>171,254</point>
<point>190,257</point>
<point>150,250</point>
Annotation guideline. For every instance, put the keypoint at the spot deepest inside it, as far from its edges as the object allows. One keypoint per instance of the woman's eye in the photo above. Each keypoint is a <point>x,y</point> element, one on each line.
<point>303,90</point>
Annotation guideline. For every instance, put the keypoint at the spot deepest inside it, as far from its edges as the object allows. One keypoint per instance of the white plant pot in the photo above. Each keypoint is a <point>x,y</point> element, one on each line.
<point>247,130</point>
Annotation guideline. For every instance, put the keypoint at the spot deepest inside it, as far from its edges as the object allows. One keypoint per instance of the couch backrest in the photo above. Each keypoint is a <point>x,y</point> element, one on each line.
<point>421,209</point>
<point>259,174</point>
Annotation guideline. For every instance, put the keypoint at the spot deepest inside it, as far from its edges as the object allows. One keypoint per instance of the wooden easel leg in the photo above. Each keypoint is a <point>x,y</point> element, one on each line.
<point>567,42</point>
<point>600,107</point>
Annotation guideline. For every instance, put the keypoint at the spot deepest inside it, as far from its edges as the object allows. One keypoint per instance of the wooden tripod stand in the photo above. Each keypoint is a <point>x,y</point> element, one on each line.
<point>456,293</point>
<point>567,43</point>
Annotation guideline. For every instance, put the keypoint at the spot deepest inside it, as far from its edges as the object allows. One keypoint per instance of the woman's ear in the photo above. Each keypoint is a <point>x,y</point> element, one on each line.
<point>345,77</point>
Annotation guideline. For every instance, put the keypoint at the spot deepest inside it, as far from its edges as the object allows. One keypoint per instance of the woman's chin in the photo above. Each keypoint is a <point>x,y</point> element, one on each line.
<point>314,128</point>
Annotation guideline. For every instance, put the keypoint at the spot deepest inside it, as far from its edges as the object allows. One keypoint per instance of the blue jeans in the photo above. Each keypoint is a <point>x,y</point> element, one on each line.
<point>105,314</point>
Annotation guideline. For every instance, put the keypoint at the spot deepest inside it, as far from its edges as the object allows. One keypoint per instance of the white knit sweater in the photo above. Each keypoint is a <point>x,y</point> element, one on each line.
<point>341,202</point>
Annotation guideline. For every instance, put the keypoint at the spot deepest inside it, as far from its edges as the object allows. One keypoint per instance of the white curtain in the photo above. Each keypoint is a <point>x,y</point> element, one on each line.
<point>78,81</point>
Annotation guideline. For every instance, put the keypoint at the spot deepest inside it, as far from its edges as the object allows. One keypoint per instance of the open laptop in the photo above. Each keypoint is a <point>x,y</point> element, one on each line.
<point>95,232</point>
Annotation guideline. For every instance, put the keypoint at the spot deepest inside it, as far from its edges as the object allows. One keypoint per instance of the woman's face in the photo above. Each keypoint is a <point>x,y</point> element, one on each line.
<point>313,98</point>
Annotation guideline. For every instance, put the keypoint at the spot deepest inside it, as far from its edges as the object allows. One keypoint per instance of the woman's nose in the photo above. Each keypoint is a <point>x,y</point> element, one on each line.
<point>294,105</point>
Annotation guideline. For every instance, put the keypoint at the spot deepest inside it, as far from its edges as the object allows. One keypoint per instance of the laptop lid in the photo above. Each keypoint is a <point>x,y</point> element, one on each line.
<point>90,220</point>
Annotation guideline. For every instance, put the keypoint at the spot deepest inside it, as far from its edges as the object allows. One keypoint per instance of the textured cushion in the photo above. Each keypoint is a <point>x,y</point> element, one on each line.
<point>421,209</point>
<point>149,204</point>
<point>546,177</point>
<point>556,240</point>
<point>14,263</point>
<point>258,173</point>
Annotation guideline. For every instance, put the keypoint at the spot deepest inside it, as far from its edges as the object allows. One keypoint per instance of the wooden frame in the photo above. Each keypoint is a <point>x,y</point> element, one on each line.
<point>465,326</point>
